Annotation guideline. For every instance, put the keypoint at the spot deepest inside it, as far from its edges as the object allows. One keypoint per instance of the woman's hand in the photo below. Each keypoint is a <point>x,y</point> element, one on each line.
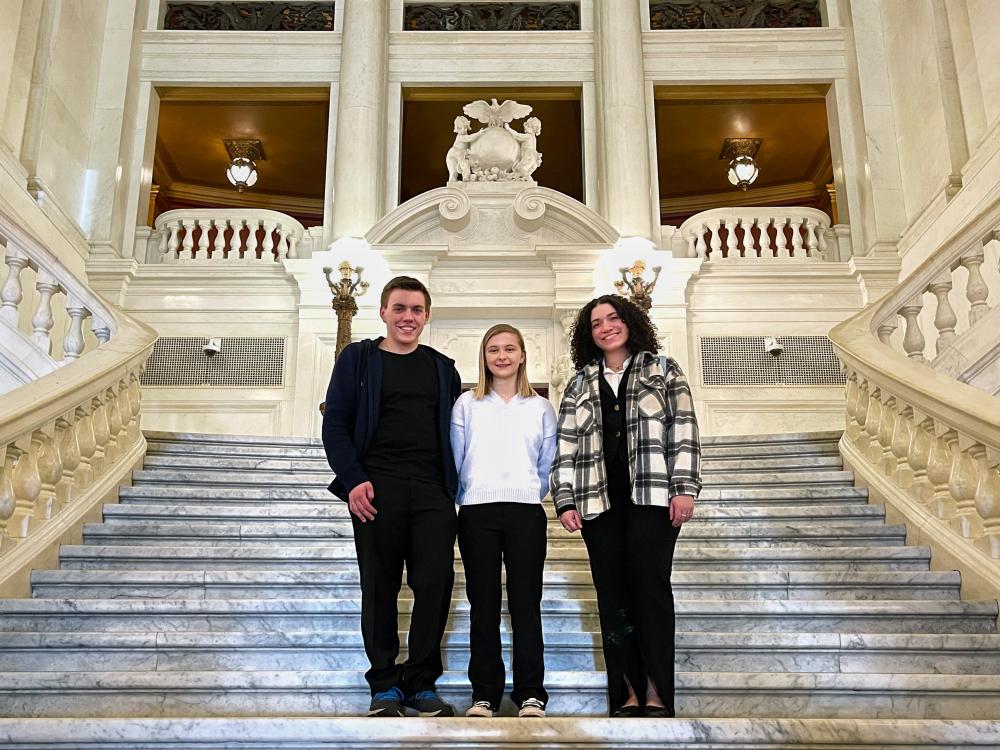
<point>571,520</point>
<point>681,509</point>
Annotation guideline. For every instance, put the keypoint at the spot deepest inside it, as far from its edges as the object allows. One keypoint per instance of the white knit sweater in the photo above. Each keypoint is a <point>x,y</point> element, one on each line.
<point>503,450</point>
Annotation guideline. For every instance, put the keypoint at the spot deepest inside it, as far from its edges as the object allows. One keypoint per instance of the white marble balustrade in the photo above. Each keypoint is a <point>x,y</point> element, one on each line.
<point>763,233</point>
<point>28,319</point>
<point>225,235</point>
<point>922,440</point>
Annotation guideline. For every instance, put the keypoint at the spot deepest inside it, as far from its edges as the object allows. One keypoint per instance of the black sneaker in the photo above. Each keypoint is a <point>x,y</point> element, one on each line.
<point>387,703</point>
<point>427,703</point>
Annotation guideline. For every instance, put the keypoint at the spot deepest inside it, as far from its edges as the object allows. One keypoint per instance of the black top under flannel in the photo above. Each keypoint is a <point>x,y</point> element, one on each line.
<point>615,444</point>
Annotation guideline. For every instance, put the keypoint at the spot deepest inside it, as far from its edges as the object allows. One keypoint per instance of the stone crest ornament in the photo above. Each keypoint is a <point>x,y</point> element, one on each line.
<point>497,152</point>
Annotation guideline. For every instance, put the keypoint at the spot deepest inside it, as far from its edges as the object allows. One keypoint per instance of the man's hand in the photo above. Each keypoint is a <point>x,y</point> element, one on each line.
<point>681,509</point>
<point>571,520</point>
<point>360,502</point>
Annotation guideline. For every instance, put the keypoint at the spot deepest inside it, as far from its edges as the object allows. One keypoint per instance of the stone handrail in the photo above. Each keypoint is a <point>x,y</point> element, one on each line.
<point>923,441</point>
<point>227,234</point>
<point>763,233</point>
<point>70,437</point>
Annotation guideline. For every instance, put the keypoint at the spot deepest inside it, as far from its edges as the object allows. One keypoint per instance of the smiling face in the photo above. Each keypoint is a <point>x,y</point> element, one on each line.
<point>504,355</point>
<point>608,329</point>
<point>405,314</point>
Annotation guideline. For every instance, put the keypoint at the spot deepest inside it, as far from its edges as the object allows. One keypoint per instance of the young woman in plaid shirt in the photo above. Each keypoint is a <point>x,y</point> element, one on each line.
<point>626,472</point>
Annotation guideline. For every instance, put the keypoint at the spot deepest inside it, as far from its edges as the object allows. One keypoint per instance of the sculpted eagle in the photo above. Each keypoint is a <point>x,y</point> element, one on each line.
<point>495,115</point>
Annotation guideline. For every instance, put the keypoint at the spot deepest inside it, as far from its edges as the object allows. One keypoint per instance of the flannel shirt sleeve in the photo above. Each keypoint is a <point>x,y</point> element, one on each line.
<point>683,441</point>
<point>564,465</point>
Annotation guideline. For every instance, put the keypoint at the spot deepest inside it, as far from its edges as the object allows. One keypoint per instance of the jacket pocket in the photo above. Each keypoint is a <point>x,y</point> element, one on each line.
<point>652,405</point>
<point>585,417</point>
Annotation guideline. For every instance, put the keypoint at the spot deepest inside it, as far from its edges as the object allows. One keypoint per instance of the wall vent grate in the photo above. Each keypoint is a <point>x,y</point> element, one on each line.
<point>741,360</point>
<point>242,362</point>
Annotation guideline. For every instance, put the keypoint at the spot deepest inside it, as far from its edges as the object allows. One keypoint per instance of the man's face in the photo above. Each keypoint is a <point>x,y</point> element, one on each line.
<point>405,315</point>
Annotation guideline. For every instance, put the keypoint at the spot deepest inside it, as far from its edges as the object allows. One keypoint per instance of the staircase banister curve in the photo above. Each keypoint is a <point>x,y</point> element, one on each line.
<point>739,212</point>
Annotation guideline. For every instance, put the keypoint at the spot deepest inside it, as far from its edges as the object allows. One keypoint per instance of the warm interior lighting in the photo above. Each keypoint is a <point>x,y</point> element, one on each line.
<point>742,172</point>
<point>242,173</point>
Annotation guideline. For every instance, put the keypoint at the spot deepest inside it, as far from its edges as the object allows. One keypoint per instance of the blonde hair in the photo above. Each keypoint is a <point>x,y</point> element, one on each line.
<point>485,384</point>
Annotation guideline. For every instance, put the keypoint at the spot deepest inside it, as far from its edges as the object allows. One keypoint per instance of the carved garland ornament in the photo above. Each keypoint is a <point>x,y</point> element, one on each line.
<point>249,16</point>
<point>492,17</point>
<point>734,14</point>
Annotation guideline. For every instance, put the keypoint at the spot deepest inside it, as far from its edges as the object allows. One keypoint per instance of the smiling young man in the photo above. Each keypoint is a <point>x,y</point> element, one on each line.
<point>386,435</point>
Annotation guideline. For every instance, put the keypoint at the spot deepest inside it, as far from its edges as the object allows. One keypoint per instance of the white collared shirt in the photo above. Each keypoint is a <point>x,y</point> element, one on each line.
<point>614,377</point>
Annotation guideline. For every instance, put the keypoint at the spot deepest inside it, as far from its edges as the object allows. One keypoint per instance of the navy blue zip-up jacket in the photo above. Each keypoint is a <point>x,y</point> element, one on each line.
<point>352,404</point>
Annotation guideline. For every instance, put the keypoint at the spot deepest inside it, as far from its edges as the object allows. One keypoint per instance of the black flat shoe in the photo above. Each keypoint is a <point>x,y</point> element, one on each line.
<point>659,712</point>
<point>627,712</point>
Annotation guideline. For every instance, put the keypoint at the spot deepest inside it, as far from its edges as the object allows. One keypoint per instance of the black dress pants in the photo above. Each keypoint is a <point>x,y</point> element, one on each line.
<point>631,549</point>
<point>516,534</point>
<point>415,526</point>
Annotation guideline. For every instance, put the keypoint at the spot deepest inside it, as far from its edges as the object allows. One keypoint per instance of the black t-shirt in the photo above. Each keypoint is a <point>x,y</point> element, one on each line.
<point>406,443</point>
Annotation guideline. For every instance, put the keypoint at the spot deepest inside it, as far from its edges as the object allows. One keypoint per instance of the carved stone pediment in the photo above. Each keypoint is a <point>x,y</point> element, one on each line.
<point>492,215</point>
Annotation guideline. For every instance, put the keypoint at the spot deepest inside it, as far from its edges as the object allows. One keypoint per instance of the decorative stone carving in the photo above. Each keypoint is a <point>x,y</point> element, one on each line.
<point>496,153</point>
<point>562,366</point>
<point>492,17</point>
<point>249,16</point>
<point>734,14</point>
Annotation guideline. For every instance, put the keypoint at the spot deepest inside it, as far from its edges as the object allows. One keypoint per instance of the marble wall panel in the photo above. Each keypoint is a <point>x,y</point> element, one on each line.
<point>984,20</point>
<point>14,104</point>
<point>10,11</point>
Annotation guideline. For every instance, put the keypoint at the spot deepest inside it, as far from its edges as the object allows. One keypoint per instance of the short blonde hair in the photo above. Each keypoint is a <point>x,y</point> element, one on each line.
<point>485,384</point>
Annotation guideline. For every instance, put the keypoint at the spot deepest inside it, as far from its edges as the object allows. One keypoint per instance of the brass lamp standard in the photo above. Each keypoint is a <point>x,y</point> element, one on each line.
<point>640,291</point>
<point>345,290</point>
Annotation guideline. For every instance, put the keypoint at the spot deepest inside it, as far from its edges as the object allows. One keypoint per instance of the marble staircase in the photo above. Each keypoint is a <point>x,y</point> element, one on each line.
<point>218,603</point>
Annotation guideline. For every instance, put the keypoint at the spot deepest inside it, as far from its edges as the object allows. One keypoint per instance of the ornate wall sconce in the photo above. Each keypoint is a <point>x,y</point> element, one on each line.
<point>638,289</point>
<point>243,155</point>
<point>740,153</point>
<point>345,292</point>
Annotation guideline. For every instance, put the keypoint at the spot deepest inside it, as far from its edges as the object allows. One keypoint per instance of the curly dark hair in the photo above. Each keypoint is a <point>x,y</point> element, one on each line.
<point>641,331</point>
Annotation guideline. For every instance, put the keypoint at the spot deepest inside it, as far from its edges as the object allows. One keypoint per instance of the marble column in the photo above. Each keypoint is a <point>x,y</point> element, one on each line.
<point>359,154</point>
<point>624,148</point>
<point>38,92</point>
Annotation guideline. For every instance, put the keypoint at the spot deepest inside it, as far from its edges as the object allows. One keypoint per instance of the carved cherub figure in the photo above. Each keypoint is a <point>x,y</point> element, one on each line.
<point>457,158</point>
<point>528,159</point>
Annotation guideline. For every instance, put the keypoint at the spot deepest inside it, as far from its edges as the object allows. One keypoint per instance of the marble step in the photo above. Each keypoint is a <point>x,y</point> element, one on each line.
<point>192,584</point>
<point>338,650</point>
<point>319,465</point>
<point>805,616</point>
<point>338,513</point>
<point>573,693</point>
<point>718,533</point>
<point>342,557</point>
<point>174,494</point>
<point>212,477</point>
<point>351,733</point>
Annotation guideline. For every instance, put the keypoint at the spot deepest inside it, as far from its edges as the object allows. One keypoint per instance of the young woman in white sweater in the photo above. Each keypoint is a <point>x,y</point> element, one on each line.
<point>503,435</point>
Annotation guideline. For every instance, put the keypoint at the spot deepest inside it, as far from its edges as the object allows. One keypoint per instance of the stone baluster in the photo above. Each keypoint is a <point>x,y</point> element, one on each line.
<point>203,231</point>
<point>42,320</point>
<point>812,240</point>
<point>27,486</point>
<point>716,241</point>
<point>861,414</point>
<point>173,243</point>
<point>114,417</point>
<point>122,415</point>
<point>939,463</point>
<point>99,420</point>
<point>187,245</point>
<point>293,243</point>
<point>134,397</point>
<point>68,445</point>
<point>8,455</point>
<point>101,330</point>
<point>267,247</point>
<point>73,342</point>
<point>85,438</point>
<point>282,246</point>
<point>219,246</point>
<point>49,473</point>
<point>732,246</point>
<point>780,240</point>
<point>913,337</point>
<point>873,421</point>
<point>12,292</point>
<point>962,483</point>
<point>902,433</point>
<point>692,240</point>
<point>885,331</point>
<point>918,458</point>
<point>886,461</point>
<point>976,290</point>
<point>765,240</point>
<point>852,429</point>
<point>821,245</point>
<point>796,226</point>
<point>988,507</point>
<point>945,319</point>
<point>701,248</point>
<point>235,241</point>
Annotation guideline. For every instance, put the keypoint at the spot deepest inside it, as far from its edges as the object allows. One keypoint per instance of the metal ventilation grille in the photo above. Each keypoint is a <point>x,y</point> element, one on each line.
<point>242,362</point>
<point>741,360</point>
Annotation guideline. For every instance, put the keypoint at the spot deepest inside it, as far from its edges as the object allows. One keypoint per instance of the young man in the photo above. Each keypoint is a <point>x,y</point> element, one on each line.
<point>386,434</point>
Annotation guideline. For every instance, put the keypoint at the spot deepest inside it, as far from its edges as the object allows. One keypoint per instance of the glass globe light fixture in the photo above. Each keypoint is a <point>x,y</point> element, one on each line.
<point>742,172</point>
<point>242,173</point>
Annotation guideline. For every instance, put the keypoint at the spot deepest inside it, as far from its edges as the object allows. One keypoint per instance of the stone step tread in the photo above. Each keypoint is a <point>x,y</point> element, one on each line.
<point>304,733</point>
<point>339,512</point>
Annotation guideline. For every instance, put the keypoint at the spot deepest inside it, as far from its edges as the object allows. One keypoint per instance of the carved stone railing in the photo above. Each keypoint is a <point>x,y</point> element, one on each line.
<point>266,16</point>
<point>225,235</point>
<point>69,438</point>
<point>553,16</point>
<point>922,441</point>
<point>733,14</point>
<point>757,234</point>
